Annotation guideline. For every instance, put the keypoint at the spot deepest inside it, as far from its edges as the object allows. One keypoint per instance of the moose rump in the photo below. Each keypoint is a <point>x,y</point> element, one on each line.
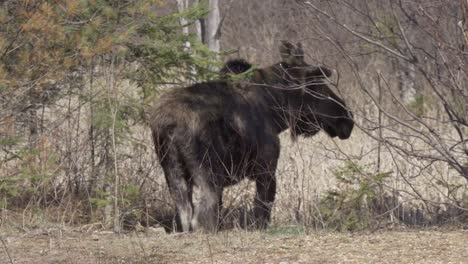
<point>214,134</point>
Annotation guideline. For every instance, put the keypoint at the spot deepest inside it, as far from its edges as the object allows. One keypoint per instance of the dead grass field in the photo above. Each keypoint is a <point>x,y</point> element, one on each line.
<point>57,245</point>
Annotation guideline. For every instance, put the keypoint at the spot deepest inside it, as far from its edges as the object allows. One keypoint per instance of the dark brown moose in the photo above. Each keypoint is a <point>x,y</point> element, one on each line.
<point>214,134</point>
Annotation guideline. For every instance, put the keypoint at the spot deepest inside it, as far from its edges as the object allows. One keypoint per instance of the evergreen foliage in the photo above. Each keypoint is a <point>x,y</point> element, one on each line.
<point>104,58</point>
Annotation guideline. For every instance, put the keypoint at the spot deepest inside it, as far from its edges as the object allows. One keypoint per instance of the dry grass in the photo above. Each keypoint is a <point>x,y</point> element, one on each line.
<point>58,245</point>
<point>305,170</point>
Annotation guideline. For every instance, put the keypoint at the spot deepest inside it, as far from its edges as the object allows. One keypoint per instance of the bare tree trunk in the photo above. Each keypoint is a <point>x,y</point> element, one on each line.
<point>464,22</point>
<point>181,6</point>
<point>33,127</point>
<point>93,180</point>
<point>212,23</point>
<point>112,177</point>
<point>209,29</point>
<point>115,192</point>
<point>199,27</point>
<point>108,207</point>
<point>116,183</point>
<point>407,83</point>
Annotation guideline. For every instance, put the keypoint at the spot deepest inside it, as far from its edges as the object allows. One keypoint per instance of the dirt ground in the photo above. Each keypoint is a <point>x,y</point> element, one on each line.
<point>59,245</point>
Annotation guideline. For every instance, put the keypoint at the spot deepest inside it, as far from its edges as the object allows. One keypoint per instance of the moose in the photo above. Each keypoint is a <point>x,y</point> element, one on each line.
<point>214,134</point>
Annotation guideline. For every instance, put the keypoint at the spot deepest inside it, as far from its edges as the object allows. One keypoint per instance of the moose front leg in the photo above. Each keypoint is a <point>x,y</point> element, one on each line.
<point>265,181</point>
<point>264,198</point>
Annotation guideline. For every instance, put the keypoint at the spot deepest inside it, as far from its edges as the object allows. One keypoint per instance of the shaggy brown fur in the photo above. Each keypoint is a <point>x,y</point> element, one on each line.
<point>214,134</point>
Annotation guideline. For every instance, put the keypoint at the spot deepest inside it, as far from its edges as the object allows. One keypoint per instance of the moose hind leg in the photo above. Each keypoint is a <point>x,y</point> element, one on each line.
<point>181,196</point>
<point>264,198</point>
<point>179,186</point>
<point>206,207</point>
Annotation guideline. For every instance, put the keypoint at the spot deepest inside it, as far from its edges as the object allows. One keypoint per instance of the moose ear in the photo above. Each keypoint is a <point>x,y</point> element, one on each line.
<point>286,50</point>
<point>291,54</point>
<point>299,52</point>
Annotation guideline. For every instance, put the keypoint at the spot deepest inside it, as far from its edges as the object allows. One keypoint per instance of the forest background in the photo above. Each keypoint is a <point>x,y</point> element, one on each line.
<point>76,77</point>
